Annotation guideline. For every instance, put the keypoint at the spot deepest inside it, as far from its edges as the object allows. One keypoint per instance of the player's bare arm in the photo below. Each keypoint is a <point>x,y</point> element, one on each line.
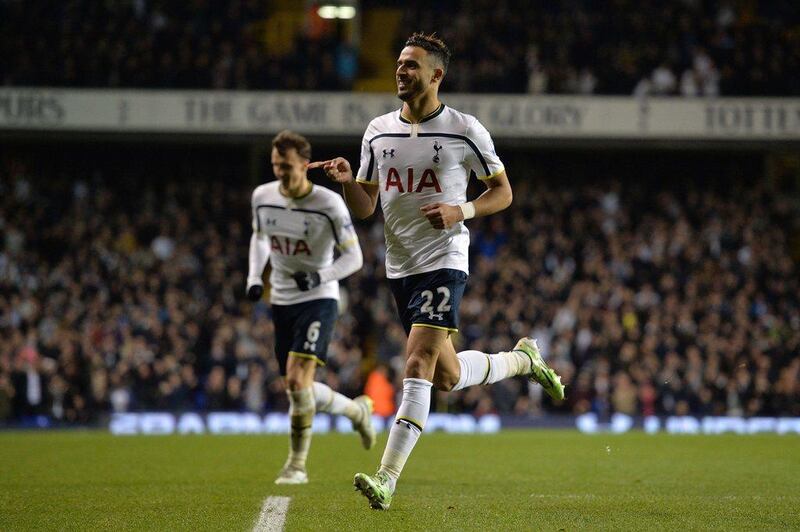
<point>497,197</point>
<point>361,198</point>
<point>427,264</point>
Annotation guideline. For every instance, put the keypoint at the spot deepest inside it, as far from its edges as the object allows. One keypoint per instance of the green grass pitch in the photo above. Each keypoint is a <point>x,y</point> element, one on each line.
<point>515,480</point>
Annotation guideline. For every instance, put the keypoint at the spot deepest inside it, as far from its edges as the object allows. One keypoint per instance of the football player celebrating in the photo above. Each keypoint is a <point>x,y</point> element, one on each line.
<point>296,226</point>
<point>418,160</point>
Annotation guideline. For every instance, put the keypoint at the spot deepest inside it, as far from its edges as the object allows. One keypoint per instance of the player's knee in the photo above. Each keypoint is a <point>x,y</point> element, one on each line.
<point>294,382</point>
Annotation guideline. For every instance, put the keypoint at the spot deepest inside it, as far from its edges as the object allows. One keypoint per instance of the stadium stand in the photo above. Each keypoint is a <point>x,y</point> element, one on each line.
<point>121,289</point>
<point>219,45</point>
<point>690,48</point>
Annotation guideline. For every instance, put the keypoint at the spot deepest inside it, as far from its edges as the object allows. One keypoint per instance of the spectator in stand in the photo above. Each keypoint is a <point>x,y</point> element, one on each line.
<point>557,47</point>
<point>648,299</point>
<point>379,387</point>
<point>625,47</point>
<point>198,45</point>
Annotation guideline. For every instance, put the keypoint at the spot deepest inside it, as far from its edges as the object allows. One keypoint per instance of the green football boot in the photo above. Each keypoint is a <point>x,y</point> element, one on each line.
<point>377,488</point>
<point>540,371</point>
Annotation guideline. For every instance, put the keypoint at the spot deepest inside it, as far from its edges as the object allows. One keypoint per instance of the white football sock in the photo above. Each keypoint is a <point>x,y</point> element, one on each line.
<point>411,418</point>
<point>480,368</point>
<point>335,403</point>
<point>301,415</point>
<point>474,368</point>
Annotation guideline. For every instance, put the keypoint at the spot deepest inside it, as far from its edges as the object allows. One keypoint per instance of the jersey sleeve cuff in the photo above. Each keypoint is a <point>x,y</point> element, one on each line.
<point>493,175</point>
<point>349,243</point>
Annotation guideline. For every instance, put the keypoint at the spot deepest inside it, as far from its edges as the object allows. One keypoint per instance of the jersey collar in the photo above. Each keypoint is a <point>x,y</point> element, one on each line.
<point>304,196</point>
<point>429,116</point>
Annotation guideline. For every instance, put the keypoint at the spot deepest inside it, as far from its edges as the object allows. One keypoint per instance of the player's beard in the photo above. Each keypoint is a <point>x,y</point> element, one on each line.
<point>413,89</point>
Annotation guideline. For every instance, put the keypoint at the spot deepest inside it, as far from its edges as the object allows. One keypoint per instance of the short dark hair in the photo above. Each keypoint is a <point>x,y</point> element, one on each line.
<point>286,140</point>
<point>433,45</point>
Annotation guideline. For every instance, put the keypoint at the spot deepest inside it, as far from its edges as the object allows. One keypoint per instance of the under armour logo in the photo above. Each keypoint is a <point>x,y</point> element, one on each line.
<point>306,224</point>
<point>270,221</point>
<point>388,153</point>
<point>436,147</point>
<point>436,316</point>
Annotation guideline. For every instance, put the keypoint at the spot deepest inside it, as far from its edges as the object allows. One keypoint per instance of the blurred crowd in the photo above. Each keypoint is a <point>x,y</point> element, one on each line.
<point>201,44</point>
<point>126,294</point>
<point>680,47</point>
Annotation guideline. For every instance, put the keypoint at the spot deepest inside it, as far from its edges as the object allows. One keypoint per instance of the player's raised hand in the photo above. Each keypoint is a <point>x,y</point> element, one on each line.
<point>337,169</point>
<point>441,215</point>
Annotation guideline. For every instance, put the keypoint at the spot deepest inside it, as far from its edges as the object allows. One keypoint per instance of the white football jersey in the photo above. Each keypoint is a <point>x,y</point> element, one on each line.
<point>301,233</point>
<point>418,164</point>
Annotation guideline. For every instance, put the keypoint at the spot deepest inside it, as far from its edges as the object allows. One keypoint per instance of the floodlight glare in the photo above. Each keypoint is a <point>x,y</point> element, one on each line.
<point>347,12</point>
<point>331,12</point>
<point>328,11</point>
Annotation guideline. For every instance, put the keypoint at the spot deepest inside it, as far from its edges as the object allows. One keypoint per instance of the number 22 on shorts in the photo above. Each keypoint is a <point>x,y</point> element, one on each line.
<point>427,305</point>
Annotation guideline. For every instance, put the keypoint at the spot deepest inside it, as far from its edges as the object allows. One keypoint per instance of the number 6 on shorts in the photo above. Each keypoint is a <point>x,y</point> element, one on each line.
<point>312,336</point>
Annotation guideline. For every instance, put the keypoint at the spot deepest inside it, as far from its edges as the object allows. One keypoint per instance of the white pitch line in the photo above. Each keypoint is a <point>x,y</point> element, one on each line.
<point>273,514</point>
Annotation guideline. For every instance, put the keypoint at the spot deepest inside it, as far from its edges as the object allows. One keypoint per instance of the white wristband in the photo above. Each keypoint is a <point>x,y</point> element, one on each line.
<point>468,210</point>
